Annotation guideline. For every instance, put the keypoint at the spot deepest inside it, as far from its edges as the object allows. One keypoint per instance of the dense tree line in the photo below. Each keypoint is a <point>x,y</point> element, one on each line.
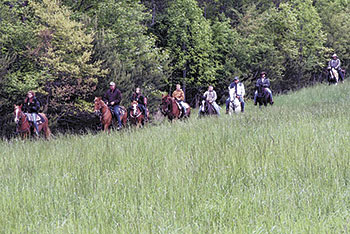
<point>68,50</point>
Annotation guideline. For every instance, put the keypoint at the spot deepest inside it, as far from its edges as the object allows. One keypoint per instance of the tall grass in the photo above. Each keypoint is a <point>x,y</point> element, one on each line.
<point>282,169</point>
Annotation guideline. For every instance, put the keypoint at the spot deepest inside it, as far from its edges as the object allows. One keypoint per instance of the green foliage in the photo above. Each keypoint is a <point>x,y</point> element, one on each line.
<point>189,40</point>
<point>64,51</point>
<point>129,52</point>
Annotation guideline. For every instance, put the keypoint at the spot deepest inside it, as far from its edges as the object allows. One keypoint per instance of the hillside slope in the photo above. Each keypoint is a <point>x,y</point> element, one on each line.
<point>284,168</point>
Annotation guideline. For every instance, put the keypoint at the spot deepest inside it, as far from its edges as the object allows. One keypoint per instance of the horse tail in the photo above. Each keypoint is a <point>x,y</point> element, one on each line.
<point>45,127</point>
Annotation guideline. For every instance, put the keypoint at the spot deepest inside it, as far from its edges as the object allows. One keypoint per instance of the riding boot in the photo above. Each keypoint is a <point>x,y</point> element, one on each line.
<point>226,111</point>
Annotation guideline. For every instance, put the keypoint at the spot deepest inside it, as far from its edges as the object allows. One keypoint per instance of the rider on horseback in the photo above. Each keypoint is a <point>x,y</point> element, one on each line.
<point>141,100</point>
<point>179,96</point>
<point>112,98</point>
<point>32,106</point>
<point>237,88</point>
<point>262,82</point>
<point>335,63</point>
<point>210,96</point>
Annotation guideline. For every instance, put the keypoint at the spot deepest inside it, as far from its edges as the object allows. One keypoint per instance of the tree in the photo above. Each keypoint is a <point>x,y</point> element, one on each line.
<point>130,53</point>
<point>64,53</point>
<point>189,40</point>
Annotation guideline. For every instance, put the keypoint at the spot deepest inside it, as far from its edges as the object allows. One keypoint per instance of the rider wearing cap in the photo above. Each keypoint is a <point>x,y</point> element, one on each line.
<point>264,83</point>
<point>112,98</point>
<point>238,89</point>
<point>335,63</point>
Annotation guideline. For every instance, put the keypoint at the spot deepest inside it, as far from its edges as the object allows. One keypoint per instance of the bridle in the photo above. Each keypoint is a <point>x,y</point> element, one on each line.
<point>19,122</point>
<point>166,102</point>
<point>100,106</point>
<point>134,110</point>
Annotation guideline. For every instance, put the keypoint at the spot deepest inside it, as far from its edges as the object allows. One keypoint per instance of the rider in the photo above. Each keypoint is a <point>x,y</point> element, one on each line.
<point>112,98</point>
<point>32,106</point>
<point>179,96</point>
<point>141,100</point>
<point>335,63</point>
<point>238,88</point>
<point>264,83</point>
<point>211,97</point>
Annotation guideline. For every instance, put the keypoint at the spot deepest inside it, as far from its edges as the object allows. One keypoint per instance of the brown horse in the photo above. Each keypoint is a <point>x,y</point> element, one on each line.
<point>105,113</point>
<point>170,108</point>
<point>136,116</point>
<point>25,128</point>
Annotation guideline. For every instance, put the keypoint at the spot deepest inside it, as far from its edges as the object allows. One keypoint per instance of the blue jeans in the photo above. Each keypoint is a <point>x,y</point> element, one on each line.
<point>117,114</point>
<point>34,115</point>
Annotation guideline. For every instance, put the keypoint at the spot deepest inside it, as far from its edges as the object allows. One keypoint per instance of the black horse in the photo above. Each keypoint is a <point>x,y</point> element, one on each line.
<point>264,97</point>
<point>207,108</point>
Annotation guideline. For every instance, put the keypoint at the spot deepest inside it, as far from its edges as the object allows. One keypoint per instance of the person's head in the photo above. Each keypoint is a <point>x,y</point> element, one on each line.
<point>263,74</point>
<point>236,79</point>
<point>138,90</point>
<point>112,85</point>
<point>30,94</point>
<point>334,56</point>
<point>178,87</point>
<point>211,88</point>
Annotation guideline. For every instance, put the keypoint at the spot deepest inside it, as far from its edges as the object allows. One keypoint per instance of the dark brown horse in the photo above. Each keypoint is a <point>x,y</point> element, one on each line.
<point>105,114</point>
<point>169,107</point>
<point>136,115</point>
<point>24,128</point>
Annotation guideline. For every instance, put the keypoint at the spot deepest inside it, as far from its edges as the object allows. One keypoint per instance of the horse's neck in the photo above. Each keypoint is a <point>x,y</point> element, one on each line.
<point>105,108</point>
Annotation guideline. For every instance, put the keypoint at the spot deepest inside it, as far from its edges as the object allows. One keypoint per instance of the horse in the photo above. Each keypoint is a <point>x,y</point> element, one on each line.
<point>207,108</point>
<point>136,115</point>
<point>24,127</point>
<point>106,117</point>
<point>234,106</point>
<point>333,76</point>
<point>169,107</point>
<point>263,97</point>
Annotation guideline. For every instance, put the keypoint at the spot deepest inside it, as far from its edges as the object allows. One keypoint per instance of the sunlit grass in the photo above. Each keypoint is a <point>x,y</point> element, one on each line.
<point>281,169</point>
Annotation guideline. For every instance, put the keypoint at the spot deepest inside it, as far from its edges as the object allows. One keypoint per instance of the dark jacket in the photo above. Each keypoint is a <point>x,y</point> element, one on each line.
<point>115,96</point>
<point>32,107</point>
<point>139,98</point>
<point>264,84</point>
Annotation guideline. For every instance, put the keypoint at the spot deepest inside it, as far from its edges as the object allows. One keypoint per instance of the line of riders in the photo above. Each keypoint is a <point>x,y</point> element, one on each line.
<point>113,97</point>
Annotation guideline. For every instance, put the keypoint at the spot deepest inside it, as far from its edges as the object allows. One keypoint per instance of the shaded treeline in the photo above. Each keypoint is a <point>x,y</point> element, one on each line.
<point>68,51</point>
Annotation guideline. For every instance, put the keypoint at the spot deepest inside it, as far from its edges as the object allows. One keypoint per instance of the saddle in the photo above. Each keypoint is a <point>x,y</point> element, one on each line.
<point>39,118</point>
<point>122,111</point>
<point>185,105</point>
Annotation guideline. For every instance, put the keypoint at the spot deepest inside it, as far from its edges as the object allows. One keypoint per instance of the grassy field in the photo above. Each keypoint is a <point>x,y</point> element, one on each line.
<point>281,169</point>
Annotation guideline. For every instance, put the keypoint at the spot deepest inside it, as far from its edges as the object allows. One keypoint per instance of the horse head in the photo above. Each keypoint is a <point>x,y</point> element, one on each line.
<point>18,113</point>
<point>134,108</point>
<point>166,105</point>
<point>98,105</point>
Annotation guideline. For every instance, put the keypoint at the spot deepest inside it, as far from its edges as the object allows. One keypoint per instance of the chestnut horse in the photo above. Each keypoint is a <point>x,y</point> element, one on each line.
<point>136,116</point>
<point>105,113</point>
<point>170,108</point>
<point>24,128</point>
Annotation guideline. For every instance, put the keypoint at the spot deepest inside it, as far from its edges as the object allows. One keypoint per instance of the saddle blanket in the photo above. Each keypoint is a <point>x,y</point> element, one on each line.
<point>39,119</point>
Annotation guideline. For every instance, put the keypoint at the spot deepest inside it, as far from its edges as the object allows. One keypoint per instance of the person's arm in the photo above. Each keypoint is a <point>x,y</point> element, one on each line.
<point>118,97</point>
<point>242,90</point>
<point>266,83</point>
<point>338,64</point>
<point>105,97</point>
<point>215,96</point>
<point>36,106</point>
